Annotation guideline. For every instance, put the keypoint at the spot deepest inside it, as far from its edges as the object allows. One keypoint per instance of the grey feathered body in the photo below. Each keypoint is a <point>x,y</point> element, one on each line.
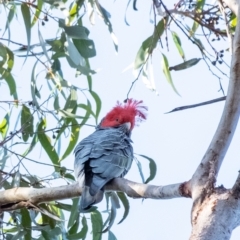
<point>105,154</point>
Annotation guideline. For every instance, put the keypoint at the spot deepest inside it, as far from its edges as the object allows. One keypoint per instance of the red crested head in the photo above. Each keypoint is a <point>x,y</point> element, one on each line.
<point>131,111</point>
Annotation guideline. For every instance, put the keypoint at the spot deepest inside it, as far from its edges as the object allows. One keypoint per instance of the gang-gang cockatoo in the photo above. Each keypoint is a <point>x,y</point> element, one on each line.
<point>107,153</point>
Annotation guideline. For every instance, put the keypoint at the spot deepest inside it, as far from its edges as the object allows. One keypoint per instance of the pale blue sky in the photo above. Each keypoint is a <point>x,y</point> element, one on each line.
<point>176,141</point>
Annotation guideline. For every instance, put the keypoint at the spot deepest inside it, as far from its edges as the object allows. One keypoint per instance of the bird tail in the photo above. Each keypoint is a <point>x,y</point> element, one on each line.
<point>87,200</point>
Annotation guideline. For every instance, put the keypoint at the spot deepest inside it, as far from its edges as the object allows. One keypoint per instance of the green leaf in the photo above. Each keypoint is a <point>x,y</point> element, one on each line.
<point>139,165</point>
<point>49,212</point>
<point>113,213</point>
<point>46,220</point>
<point>198,10</point>
<point>233,21</point>
<point>7,61</point>
<point>66,114</point>
<point>111,236</point>
<point>27,21</point>
<point>123,198</point>
<point>166,72</point>
<point>98,104</point>
<point>75,32</point>
<point>74,212</point>
<point>57,45</point>
<point>105,15</point>
<point>46,144</point>
<point>4,125</point>
<point>37,13</point>
<point>34,91</point>
<point>185,65</point>
<point>149,44</point>
<point>83,233</point>
<point>74,227</point>
<point>75,130</point>
<point>71,102</point>
<point>89,78</point>
<point>10,81</point>
<point>56,103</point>
<point>143,53</point>
<point>43,45</point>
<point>26,223</point>
<point>32,145</point>
<point>97,223</point>
<point>11,13</point>
<point>18,236</point>
<point>85,47</point>
<point>178,44</point>
<point>26,123</point>
<point>152,168</point>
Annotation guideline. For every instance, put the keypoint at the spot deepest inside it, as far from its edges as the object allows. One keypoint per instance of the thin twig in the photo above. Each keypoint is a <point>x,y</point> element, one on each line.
<point>198,104</point>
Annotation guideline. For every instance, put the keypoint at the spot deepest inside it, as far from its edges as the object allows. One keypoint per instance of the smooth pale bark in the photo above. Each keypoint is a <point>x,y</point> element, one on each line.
<point>16,198</point>
<point>233,5</point>
<point>217,217</point>
<point>216,212</point>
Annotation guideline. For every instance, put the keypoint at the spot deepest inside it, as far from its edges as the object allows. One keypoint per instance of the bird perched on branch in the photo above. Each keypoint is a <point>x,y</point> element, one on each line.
<point>107,153</point>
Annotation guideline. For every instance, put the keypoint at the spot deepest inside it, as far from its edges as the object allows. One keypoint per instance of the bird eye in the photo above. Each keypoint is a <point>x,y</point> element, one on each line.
<point>117,119</point>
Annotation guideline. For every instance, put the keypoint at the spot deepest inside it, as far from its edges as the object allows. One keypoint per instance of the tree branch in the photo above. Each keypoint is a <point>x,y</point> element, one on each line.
<point>204,177</point>
<point>16,198</point>
<point>233,5</point>
<point>235,191</point>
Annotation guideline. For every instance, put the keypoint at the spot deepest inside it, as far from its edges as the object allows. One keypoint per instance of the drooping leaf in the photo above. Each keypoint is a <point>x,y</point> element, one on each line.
<point>97,223</point>
<point>34,91</point>
<point>43,45</point>
<point>98,103</point>
<point>139,165</point>
<point>75,32</point>
<point>66,114</point>
<point>74,212</point>
<point>233,21</point>
<point>83,232</point>
<point>26,223</point>
<point>149,44</point>
<point>4,125</point>
<point>74,135</point>
<point>113,213</point>
<point>152,168</point>
<point>198,10</point>
<point>26,123</point>
<point>85,47</point>
<point>37,12</point>
<point>11,13</point>
<point>123,198</point>
<point>74,228</point>
<point>27,21</point>
<point>7,57</point>
<point>111,236</point>
<point>106,15</point>
<point>7,76</point>
<point>186,64</point>
<point>49,212</point>
<point>32,145</point>
<point>165,68</point>
<point>143,53</point>
<point>20,234</point>
<point>178,44</point>
<point>46,143</point>
<point>71,102</point>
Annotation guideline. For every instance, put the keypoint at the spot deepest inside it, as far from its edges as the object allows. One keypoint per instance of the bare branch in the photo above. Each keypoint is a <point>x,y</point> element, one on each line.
<point>16,198</point>
<point>198,104</point>
<point>235,191</point>
<point>203,178</point>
